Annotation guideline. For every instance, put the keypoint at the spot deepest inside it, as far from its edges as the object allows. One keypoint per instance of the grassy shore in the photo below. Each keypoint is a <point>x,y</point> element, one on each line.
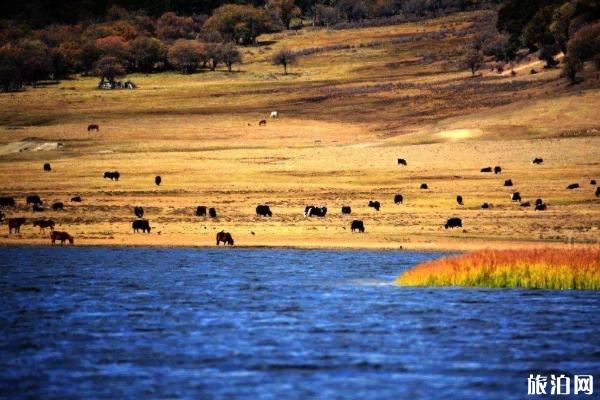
<point>559,269</point>
<point>345,115</point>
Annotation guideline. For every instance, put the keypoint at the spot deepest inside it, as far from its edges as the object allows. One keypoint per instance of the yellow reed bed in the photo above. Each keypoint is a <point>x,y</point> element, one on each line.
<point>551,268</point>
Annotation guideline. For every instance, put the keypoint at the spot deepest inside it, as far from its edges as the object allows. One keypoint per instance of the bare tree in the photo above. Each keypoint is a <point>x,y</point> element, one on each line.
<point>285,57</point>
<point>472,59</point>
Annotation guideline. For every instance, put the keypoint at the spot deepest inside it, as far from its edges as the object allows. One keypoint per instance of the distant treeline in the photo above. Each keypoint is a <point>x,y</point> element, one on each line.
<point>42,40</point>
<point>550,27</point>
<point>40,13</point>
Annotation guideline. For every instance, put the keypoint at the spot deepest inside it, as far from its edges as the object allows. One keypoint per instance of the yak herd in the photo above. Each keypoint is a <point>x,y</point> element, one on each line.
<point>262,210</point>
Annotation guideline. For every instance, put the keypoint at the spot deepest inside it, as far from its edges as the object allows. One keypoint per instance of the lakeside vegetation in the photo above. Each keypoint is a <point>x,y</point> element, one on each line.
<point>558,269</point>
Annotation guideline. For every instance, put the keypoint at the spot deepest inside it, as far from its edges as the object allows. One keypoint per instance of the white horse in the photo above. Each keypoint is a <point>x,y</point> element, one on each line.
<point>274,114</point>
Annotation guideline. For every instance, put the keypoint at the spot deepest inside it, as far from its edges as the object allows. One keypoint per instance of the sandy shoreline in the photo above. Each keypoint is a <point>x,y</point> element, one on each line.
<point>442,247</point>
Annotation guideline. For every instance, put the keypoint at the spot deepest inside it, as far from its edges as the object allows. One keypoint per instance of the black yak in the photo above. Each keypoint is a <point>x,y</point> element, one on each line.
<point>357,226</point>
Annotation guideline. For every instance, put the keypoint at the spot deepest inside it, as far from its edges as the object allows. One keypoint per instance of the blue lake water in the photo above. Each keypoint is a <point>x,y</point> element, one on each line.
<point>273,324</point>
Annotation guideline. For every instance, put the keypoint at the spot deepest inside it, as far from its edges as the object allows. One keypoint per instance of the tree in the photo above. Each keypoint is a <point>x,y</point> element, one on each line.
<point>472,59</point>
<point>170,26</point>
<point>109,68</point>
<point>238,23</point>
<point>561,21</point>
<point>284,57</point>
<point>34,58</point>
<point>547,53</point>
<point>231,55</point>
<point>186,55</point>
<point>537,31</point>
<point>353,10</point>
<point>214,55</point>
<point>67,58</point>
<point>114,46</point>
<point>326,15</point>
<point>583,46</point>
<point>11,74</point>
<point>286,10</point>
<point>146,52</point>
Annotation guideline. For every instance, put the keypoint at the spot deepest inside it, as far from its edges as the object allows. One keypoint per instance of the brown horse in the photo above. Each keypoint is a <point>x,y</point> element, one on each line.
<point>44,223</point>
<point>94,127</point>
<point>262,122</point>
<point>15,223</point>
<point>224,237</point>
<point>62,236</point>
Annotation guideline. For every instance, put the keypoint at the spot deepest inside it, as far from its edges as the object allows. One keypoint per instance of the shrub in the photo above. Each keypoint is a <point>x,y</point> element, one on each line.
<point>559,269</point>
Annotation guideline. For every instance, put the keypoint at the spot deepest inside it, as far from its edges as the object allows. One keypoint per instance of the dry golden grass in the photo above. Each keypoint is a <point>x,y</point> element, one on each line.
<point>345,117</point>
<point>560,269</point>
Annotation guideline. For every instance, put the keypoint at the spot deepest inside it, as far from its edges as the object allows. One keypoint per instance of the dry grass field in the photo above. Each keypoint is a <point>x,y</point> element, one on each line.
<point>354,104</point>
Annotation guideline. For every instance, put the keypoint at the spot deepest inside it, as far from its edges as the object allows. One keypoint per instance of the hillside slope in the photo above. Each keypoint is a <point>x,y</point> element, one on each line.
<point>357,100</point>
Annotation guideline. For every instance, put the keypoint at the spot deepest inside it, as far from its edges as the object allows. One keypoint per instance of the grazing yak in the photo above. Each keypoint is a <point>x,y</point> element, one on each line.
<point>47,167</point>
<point>453,223</point>
<point>43,224</point>
<point>375,204</point>
<point>142,224</point>
<point>15,224</point>
<point>263,210</point>
<point>34,199</point>
<point>7,201</point>
<point>58,206</point>
<point>424,186</point>
<point>274,114</point>
<point>573,186</point>
<point>539,205</point>
<point>486,169</point>
<point>1,216</point>
<point>212,212</point>
<point>157,180</point>
<point>38,208</point>
<point>314,211</point>
<point>537,161</point>
<point>497,170</point>
<point>598,191</point>
<point>346,210</point>
<point>593,182</point>
<point>62,236</point>
<point>201,211</point>
<point>76,199</point>
<point>224,237</point>
<point>398,199</point>
<point>94,127</point>
<point>459,200</point>
<point>485,206</point>
<point>526,204</point>
<point>114,176</point>
<point>357,226</point>
<point>516,196</point>
<point>262,122</point>
<point>138,211</point>
<point>402,161</point>
<point>508,183</point>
